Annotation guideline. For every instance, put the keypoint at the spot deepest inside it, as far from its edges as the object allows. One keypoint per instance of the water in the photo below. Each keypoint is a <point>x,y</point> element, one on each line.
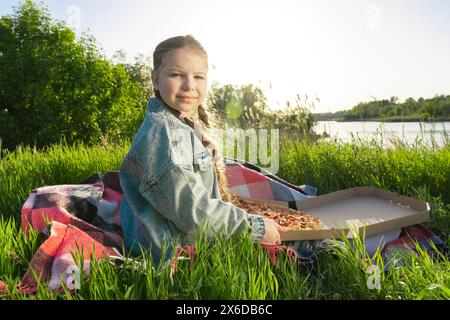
<point>405,131</point>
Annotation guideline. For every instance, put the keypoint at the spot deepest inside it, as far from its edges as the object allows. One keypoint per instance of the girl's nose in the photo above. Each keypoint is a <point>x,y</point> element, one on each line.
<point>188,83</point>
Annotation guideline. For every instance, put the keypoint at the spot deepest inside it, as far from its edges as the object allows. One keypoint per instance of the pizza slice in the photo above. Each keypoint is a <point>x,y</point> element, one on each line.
<point>286,217</point>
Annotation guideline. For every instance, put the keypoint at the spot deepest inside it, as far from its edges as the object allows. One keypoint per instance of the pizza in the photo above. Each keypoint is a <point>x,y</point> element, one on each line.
<point>286,217</point>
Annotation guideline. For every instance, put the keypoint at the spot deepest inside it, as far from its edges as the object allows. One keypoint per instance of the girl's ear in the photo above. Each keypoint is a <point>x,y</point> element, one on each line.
<point>154,80</point>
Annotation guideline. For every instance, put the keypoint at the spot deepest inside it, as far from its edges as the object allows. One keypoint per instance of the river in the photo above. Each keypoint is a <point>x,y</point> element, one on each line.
<point>406,131</point>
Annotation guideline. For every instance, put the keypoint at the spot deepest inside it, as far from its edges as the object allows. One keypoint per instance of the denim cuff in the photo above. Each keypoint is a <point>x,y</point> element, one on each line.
<point>257,226</point>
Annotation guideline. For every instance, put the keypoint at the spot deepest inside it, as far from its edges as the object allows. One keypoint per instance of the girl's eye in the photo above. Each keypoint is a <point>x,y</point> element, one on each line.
<point>180,75</point>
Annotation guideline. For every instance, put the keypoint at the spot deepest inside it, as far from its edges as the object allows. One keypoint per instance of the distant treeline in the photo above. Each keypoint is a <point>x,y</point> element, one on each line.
<point>433,109</point>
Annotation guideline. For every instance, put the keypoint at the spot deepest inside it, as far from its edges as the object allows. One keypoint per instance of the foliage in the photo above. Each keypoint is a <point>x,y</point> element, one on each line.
<point>54,86</point>
<point>238,106</point>
<point>26,169</point>
<point>246,107</point>
<point>436,108</point>
<point>139,71</point>
<point>334,165</point>
<point>232,268</point>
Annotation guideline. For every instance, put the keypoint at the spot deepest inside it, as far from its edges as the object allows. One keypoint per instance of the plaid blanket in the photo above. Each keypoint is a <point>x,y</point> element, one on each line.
<point>83,220</point>
<point>253,182</point>
<point>409,239</point>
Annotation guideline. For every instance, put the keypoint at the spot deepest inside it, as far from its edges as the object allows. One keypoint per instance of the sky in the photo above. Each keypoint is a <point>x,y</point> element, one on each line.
<point>341,51</point>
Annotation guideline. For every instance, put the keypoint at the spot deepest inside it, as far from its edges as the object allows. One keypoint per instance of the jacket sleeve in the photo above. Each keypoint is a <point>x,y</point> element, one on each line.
<point>180,196</point>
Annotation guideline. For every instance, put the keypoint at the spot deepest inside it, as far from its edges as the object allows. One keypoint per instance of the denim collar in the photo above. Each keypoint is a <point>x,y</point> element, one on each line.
<point>158,105</point>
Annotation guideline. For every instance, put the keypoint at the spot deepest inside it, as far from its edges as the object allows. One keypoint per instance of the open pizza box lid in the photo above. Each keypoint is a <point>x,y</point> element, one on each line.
<point>365,210</point>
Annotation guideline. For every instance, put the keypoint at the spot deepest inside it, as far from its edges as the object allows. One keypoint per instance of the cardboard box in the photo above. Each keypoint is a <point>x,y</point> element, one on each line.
<point>356,209</point>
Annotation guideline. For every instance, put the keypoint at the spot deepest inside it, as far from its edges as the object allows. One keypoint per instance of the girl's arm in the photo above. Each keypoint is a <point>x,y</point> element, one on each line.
<point>180,196</point>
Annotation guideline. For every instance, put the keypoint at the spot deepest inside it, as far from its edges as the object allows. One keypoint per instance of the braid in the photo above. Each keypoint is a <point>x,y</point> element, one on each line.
<point>218,158</point>
<point>203,116</point>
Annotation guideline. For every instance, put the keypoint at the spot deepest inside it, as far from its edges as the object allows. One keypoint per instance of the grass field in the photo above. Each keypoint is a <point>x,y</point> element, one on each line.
<point>234,268</point>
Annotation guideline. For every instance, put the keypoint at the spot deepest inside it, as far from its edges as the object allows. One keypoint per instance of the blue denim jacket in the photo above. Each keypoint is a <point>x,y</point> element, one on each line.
<point>170,188</point>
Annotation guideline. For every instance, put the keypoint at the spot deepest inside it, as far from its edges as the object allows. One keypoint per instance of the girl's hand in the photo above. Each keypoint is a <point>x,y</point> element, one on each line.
<point>272,234</point>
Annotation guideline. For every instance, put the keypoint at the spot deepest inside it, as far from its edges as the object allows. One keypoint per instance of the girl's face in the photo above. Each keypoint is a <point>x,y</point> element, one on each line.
<point>182,80</point>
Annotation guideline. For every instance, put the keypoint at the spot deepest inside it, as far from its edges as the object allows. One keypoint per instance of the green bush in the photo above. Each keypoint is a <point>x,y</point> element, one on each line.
<point>56,87</point>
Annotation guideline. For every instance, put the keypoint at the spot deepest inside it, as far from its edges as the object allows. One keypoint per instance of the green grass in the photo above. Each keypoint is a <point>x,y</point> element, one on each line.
<point>26,169</point>
<point>420,171</point>
<point>233,268</point>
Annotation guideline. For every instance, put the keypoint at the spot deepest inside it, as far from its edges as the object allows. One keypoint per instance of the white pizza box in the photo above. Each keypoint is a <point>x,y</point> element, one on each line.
<point>359,210</point>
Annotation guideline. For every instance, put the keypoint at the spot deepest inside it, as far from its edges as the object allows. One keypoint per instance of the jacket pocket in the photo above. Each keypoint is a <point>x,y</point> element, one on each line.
<point>153,193</point>
<point>150,185</point>
<point>203,161</point>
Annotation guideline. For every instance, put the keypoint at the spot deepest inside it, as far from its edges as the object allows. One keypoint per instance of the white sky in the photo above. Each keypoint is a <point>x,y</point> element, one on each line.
<point>343,51</point>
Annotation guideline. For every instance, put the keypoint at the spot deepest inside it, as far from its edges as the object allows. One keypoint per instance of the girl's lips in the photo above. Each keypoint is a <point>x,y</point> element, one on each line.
<point>186,98</point>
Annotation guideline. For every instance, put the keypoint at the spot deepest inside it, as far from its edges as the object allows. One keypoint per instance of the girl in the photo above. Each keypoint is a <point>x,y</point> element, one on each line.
<point>170,179</point>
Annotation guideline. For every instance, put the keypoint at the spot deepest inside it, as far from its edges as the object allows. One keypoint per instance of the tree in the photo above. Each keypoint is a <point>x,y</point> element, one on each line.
<point>241,106</point>
<point>246,107</point>
<point>139,71</point>
<point>55,86</point>
<point>429,109</point>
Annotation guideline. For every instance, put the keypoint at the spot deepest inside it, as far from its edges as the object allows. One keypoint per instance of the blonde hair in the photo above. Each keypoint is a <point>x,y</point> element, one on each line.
<point>208,118</point>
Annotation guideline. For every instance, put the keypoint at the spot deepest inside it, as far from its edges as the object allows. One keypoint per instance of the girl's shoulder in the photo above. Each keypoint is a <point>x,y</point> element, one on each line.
<point>155,105</point>
<point>160,114</point>
<point>161,134</point>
